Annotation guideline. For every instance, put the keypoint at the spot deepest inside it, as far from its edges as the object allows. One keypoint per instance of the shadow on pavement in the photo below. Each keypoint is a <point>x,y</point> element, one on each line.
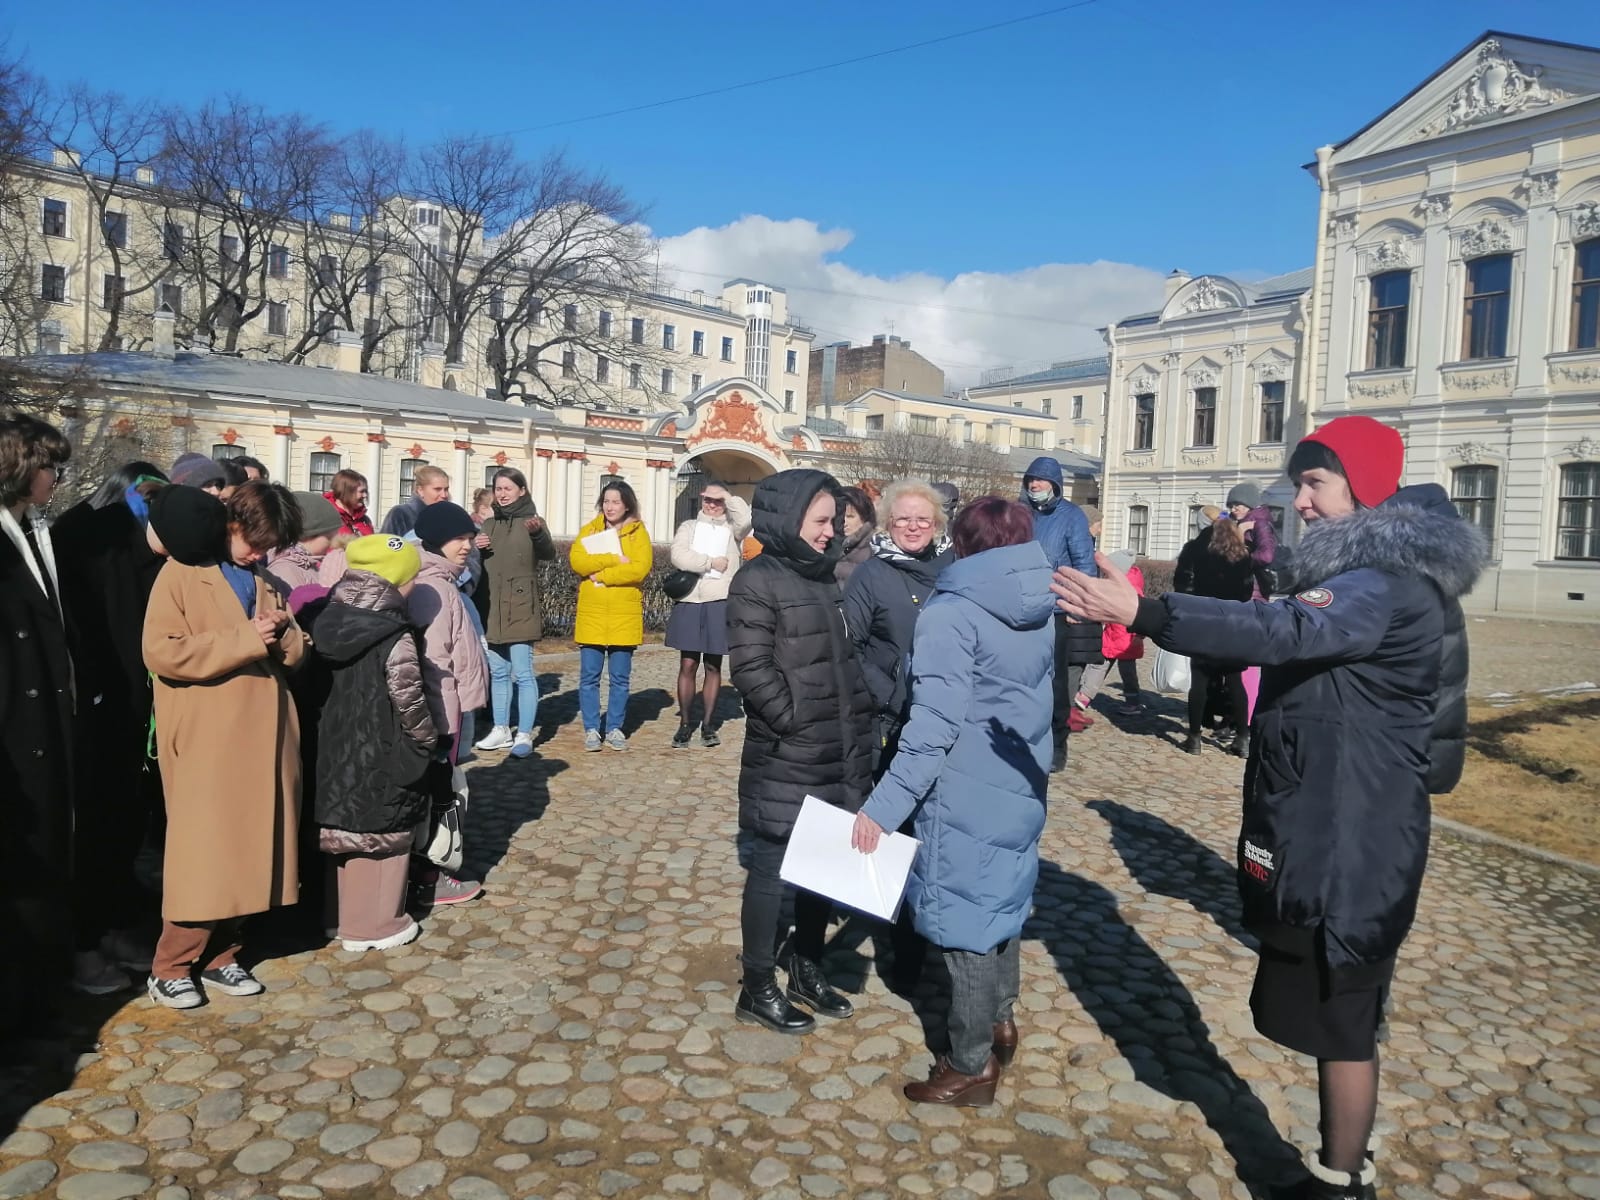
<point>1171,862</point>
<point>504,796</point>
<point>39,1058</point>
<point>1138,1002</point>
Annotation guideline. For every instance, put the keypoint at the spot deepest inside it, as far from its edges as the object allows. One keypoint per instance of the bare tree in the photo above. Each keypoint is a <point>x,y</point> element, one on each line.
<point>239,181</point>
<point>22,97</point>
<point>105,138</point>
<point>975,468</point>
<point>354,248</point>
<point>531,251</point>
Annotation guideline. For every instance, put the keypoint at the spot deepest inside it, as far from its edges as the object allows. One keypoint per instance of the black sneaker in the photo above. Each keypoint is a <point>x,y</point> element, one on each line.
<point>681,738</point>
<point>232,980</point>
<point>175,993</point>
<point>709,736</point>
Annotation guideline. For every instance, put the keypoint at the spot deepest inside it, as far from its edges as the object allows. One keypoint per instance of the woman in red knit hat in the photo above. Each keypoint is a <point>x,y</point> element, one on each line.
<point>1362,715</point>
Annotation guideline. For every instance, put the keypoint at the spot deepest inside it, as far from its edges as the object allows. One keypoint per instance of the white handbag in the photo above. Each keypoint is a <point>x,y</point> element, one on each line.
<point>1170,672</point>
<point>444,846</point>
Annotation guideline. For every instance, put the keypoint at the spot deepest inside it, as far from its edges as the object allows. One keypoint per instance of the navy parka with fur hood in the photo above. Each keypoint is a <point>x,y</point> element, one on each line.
<point>1361,715</point>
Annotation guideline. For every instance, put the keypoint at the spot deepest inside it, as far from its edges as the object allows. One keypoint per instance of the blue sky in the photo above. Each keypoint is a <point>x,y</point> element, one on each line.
<point>1156,134</point>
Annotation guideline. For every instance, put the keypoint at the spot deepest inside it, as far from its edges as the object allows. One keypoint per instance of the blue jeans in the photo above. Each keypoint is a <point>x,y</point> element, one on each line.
<point>506,662</point>
<point>618,660</point>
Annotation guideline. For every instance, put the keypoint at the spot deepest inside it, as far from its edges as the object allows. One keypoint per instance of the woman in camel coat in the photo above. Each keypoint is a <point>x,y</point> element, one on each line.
<point>227,736</point>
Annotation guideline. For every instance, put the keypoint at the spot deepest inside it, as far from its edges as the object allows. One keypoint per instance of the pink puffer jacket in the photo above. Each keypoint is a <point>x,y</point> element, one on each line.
<point>454,668</point>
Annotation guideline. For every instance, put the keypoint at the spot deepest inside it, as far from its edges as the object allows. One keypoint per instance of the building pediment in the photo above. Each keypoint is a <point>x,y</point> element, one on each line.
<point>1205,294</point>
<point>1498,79</point>
<point>734,414</point>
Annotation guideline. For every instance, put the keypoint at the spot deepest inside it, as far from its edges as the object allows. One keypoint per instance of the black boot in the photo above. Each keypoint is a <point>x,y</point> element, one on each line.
<point>1191,744</point>
<point>1241,745</point>
<point>1059,762</point>
<point>1326,1184</point>
<point>761,1003</point>
<point>809,986</point>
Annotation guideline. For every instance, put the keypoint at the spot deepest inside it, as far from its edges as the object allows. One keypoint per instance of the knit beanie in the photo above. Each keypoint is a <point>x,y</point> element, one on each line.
<point>1121,559</point>
<point>1208,516</point>
<point>441,522</point>
<point>1372,454</point>
<point>386,556</point>
<point>192,525</point>
<point>318,516</point>
<point>196,470</point>
<point>1247,494</point>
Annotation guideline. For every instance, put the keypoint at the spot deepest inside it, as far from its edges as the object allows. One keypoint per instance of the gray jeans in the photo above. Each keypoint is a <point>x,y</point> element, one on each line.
<point>983,991</point>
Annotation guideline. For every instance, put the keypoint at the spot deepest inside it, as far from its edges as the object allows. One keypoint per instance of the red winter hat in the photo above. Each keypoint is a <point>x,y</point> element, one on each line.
<point>1372,454</point>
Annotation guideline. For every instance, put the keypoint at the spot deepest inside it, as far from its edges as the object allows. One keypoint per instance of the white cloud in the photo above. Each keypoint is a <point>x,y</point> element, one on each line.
<point>981,319</point>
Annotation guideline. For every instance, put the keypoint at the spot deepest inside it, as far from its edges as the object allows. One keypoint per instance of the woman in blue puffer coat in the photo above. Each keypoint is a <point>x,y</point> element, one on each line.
<point>1361,718</point>
<point>972,766</point>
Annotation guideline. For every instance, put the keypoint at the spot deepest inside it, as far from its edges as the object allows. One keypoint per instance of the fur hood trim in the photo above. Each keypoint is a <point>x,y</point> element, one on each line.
<point>1399,538</point>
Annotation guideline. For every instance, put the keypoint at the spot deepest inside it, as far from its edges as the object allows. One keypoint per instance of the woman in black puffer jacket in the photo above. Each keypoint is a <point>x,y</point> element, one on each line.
<point>1360,718</point>
<point>809,730</point>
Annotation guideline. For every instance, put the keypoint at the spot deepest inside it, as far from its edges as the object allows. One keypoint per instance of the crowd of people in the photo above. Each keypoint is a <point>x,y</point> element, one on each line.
<point>916,662</point>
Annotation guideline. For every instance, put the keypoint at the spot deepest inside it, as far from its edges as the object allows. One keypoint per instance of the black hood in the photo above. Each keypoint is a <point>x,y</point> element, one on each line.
<point>779,507</point>
<point>362,611</point>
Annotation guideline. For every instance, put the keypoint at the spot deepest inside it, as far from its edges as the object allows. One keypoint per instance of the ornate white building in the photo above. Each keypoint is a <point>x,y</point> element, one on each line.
<point>1455,295</point>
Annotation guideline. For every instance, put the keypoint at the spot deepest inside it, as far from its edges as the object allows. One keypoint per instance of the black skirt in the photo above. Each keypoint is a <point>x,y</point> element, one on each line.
<point>699,628</point>
<point>1294,1004</point>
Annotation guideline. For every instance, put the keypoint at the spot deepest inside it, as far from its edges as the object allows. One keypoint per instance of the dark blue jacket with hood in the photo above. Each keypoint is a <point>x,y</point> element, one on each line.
<point>1062,529</point>
<point>1361,716</point>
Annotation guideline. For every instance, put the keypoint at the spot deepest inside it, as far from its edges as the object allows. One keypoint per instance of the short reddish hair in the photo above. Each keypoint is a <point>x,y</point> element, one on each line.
<point>990,522</point>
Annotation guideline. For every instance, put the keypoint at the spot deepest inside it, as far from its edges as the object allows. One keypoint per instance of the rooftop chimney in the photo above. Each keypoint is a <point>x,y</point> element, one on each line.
<point>1176,280</point>
<point>67,158</point>
<point>161,327</point>
<point>144,175</point>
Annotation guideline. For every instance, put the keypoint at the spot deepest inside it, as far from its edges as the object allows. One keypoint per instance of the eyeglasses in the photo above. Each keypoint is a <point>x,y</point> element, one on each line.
<point>718,501</point>
<point>912,522</point>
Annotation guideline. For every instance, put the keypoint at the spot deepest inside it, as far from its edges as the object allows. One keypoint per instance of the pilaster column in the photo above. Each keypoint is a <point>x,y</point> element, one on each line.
<point>462,487</point>
<point>1433,301</point>
<point>280,453</point>
<point>1539,270</point>
<point>540,483</point>
<point>374,473</point>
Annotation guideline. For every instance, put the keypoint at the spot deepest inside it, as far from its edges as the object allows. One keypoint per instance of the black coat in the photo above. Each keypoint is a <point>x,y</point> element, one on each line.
<point>372,774</point>
<point>36,784</point>
<point>810,716</point>
<point>882,601</point>
<point>1199,572</point>
<point>1358,718</point>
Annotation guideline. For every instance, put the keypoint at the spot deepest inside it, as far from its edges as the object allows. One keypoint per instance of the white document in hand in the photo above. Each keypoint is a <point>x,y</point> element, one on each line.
<point>712,541</point>
<point>604,542</point>
<point>820,859</point>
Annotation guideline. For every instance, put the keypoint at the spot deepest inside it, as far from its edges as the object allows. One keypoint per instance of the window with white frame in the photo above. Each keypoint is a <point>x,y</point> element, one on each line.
<point>875,423</point>
<point>1030,439</point>
<point>489,473</point>
<point>1139,528</point>
<point>697,343</point>
<point>1473,491</point>
<point>1388,315</point>
<point>114,226</point>
<point>696,382</point>
<point>54,223</point>
<point>225,450</point>
<point>1486,317</point>
<point>408,474</point>
<point>604,325</point>
<point>277,318</point>
<point>791,361</point>
<point>1045,405</point>
<point>569,364</point>
<point>635,376</point>
<point>113,288</point>
<point>278,262</point>
<point>727,349</point>
<point>569,318</point>
<point>1077,408</point>
<point>1578,515</point>
<point>1205,417</point>
<point>602,369</point>
<point>171,297</point>
<point>53,283</point>
<point>1144,421</point>
<point>922,424</point>
<point>636,332</point>
<point>666,381</point>
<point>1586,295</point>
<point>323,468</point>
<point>1196,516</point>
<point>1273,392</point>
<point>173,241</point>
<point>669,337</point>
<point>788,400</point>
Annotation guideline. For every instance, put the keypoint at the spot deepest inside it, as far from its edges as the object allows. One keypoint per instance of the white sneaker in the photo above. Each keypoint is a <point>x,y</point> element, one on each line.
<point>591,740</point>
<point>405,937</point>
<point>94,976</point>
<point>616,740</point>
<point>522,747</point>
<point>175,993</point>
<point>499,738</point>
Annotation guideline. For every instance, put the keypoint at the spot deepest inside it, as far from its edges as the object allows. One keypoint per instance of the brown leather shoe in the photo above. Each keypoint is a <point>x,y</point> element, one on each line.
<point>946,1085</point>
<point>1005,1042</point>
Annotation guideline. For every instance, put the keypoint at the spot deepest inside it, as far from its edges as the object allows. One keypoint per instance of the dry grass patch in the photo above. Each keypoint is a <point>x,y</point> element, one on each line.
<point>1533,774</point>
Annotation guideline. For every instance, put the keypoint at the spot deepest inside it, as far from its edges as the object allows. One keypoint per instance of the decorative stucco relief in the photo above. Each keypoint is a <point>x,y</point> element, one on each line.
<point>1343,225</point>
<point>1584,447</point>
<point>1576,372</point>
<point>1434,208</point>
<point>1381,389</point>
<point>1488,236</point>
<point>1471,452</point>
<point>1477,381</point>
<point>1386,256</point>
<point>1499,86</point>
<point>1206,297</point>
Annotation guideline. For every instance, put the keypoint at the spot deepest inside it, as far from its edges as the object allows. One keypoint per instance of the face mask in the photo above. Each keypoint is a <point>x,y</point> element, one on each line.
<point>1040,495</point>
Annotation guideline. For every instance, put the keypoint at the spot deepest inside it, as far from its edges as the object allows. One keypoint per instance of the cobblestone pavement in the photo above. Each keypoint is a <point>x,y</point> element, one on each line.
<point>571,1034</point>
<point>1520,655</point>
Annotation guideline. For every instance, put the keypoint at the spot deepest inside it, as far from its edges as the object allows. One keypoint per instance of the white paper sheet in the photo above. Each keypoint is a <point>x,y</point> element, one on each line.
<point>712,541</point>
<point>820,859</point>
<point>604,542</point>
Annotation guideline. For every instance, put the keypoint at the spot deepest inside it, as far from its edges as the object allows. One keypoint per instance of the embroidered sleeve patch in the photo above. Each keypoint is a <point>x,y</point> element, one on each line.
<point>1315,597</point>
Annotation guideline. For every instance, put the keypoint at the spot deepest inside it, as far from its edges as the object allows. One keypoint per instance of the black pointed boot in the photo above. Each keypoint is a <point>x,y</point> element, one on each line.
<point>762,1003</point>
<point>809,986</point>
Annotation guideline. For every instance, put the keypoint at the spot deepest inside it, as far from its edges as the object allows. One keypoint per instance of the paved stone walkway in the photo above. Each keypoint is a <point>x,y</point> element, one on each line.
<point>571,1034</point>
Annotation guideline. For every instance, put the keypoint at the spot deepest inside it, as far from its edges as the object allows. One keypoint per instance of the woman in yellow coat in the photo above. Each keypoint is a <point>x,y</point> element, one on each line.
<point>610,609</point>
